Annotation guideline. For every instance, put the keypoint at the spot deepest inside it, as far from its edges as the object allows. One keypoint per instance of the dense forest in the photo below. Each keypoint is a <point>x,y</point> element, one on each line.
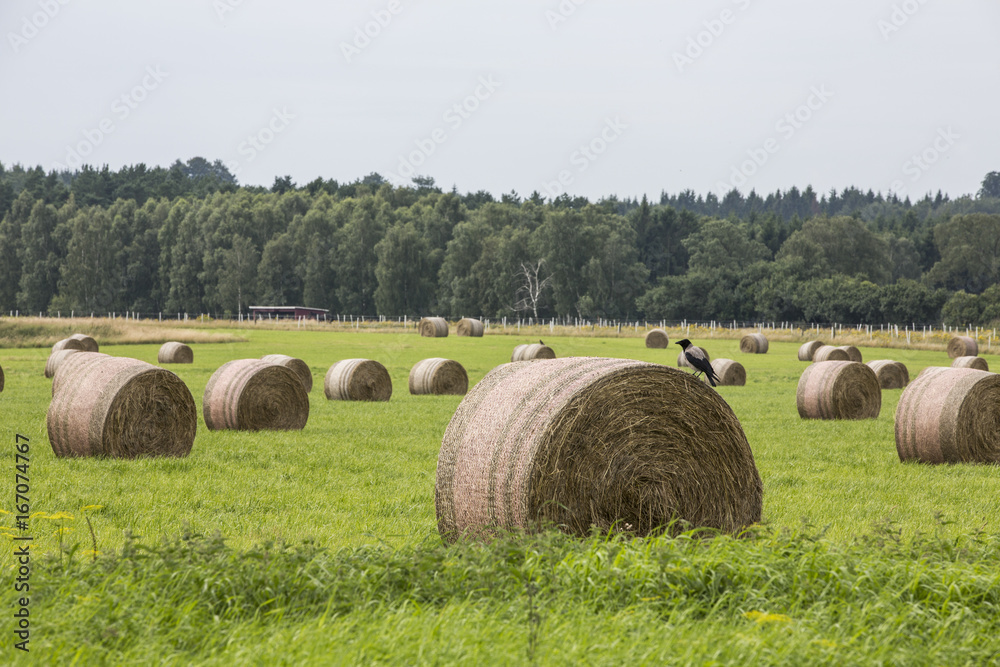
<point>189,238</point>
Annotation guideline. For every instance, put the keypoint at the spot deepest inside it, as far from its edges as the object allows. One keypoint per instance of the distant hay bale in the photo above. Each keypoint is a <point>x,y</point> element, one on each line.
<point>433,327</point>
<point>970,362</point>
<point>121,408</point>
<point>357,380</point>
<point>853,353</point>
<point>838,390</point>
<point>438,376</point>
<point>949,415</point>
<point>657,339</point>
<point>68,344</point>
<point>963,346</point>
<point>731,373</point>
<point>469,327</point>
<point>586,442</point>
<point>830,353</point>
<point>807,350</point>
<point>74,361</point>
<point>890,374</point>
<point>753,344</point>
<point>297,366</point>
<point>253,395</point>
<point>89,344</point>
<point>682,361</point>
<point>532,351</point>
<point>56,358</point>
<point>175,353</point>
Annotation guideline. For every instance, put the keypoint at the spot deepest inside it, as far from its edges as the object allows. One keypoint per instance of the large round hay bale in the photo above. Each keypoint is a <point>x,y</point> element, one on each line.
<point>682,361</point>
<point>838,390</point>
<point>532,351</point>
<point>830,353</point>
<point>753,344</point>
<point>357,380</point>
<point>807,350</point>
<point>73,362</point>
<point>121,408</point>
<point>433,327</point>
<point>297,366</point>
<point>970,362</point>
<point>89,344</point>
<point>469,327</point>
<point>853,353</point>
<point>731,373</point>
<point>657,339</point>
<point>68,344</point>
<point>890,374</point>
<point>950,415</point>
<point>55,359</point>
<point>253,395</point>
<point>175,353</point>
<point>583,441</point>
<point>963,346</point>
<point>438,376</point>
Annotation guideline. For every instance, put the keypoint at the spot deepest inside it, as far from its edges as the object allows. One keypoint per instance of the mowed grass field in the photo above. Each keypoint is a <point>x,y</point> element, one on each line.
<point>859,559</point>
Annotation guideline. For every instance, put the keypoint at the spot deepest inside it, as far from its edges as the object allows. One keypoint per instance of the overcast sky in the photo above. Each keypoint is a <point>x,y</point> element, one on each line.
<point>592,97</point>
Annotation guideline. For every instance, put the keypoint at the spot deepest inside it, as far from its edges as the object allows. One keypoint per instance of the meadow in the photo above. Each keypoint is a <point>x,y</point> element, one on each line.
<point>321,546</point>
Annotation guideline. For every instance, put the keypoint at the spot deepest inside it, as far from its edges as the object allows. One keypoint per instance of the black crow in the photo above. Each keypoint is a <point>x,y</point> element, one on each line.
<point>540,342</point>
<point>698,361</point>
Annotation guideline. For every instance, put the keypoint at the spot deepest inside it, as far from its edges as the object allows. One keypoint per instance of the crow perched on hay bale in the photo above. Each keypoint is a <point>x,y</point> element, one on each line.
<point>697,359</point>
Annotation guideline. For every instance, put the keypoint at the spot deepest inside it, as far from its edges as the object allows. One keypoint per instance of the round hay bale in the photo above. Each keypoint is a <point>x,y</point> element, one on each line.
<point>175,353</point>
<point>853,353</point>
<point>89,344</point>
<point>438,376</point>
<point>950,415</point>
<point>753,344</point>
<point>297,366</point>
<point>469,327</point>
<point>657,339</point>
<point>55,359</point>
<point>585,441</point>
<point>963,346</point>
<point>838,390</point>
<point>830,353</point>
<point>970,362</point>
<point>682,361</point>
<point>807,350</point>
<point>253,395</point>
<point>890,374</point>
<point>73,362</point>
<point>357,380</point>
<point>731,373</point>
<point>532,351</point>
<point>433,327</point>
<point>121,408</point>
<point>68,344</point>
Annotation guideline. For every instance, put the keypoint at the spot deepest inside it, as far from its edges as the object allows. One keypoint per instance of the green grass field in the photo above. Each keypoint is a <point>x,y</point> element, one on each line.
<point>327,549</point>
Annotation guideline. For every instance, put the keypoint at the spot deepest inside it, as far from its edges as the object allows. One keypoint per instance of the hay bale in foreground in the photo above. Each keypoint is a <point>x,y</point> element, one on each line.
<point>963,346</point>
<point>89,344</point>
<point>657,339</point>
<point>853,353</point>
<point>753,344</point>
<point>838,390</point>
<point>970,362</point>
<point>121,408</point>
<point>433,327</point>
<point>438,376</point>
<point>581,442</point>
<point>297,366</point>
<point>830,353</point>
<point>253,395</point>
<point>950,415</point>
<point>357,380</point>
<point>532,351</point>
<point>74,361</point>
<point>68,344</point>
<point>731,373</point>
<point>469,327</point>
<point>807,350</point>
<point>682,361</point>
<point>890,374</point>
<point>55,359</point>
<point>175,353</point>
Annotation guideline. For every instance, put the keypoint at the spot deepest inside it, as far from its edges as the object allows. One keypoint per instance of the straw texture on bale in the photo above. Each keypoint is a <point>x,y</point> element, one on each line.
<point>890,374</point>
<point>950,415</point>
<point>532,351</point>
<point>68,344</point>
<point>682,361</point>
<point>970,362</point>
<point>657,339</point>
<point>55,359</point>
<point>89,344</point>
<point>469,327</point>
<point>830,353</point>
<point>297,366</point>
<point>753,344</point>
<point>433,327</point>
<point>838,390</point>
<point>731,373</point>
<point>73,362</point>
<point>585,441</point>
<point>175,353</point>
<point>253,395</point>
<point>357,380</point>
<point>963,346</point>
<point>853,353</point>
<point>438,376</point>
<point>121,408</point>
<point>807,350</point>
